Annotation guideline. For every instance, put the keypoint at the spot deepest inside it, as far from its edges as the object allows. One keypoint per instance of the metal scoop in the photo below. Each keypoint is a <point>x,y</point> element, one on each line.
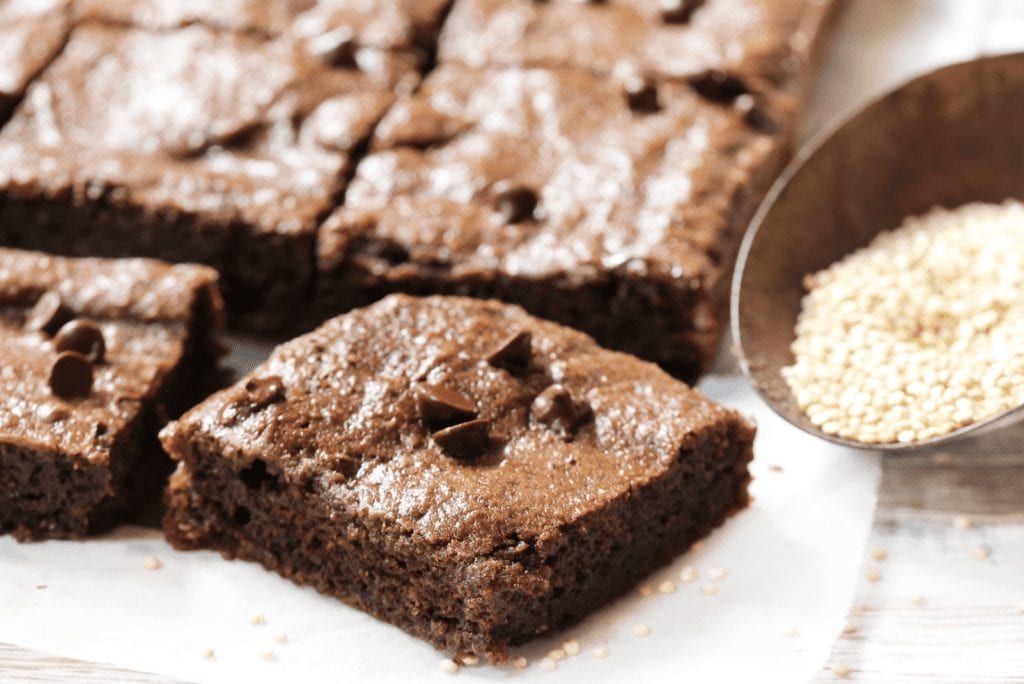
<point>953,136</point>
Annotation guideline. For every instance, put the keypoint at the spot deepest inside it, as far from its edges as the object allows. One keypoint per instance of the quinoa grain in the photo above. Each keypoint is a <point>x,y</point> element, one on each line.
<point>915,336</point>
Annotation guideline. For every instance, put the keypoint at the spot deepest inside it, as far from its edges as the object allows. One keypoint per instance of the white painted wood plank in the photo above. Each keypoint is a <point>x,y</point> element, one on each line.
<point>948,604</point>
<point>21,665</point>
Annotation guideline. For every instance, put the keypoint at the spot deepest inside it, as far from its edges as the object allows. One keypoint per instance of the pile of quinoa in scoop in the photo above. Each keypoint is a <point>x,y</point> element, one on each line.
<point>918,334</point>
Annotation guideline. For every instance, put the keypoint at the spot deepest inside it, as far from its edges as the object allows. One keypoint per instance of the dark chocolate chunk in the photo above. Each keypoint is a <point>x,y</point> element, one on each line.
<point>71,376</point>
<point>466,440</point>
<point>555,408</point>
<point>679,11</point>
<point>517,204</point>
<point>643,97</point>
<point>443,407</point>
<point>82,336</point>
<point>514,353</point>
<point>49,314</point>
<point>718,86</point>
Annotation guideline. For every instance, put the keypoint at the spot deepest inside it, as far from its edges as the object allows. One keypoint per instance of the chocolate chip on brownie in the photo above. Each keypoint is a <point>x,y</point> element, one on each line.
<point>517,204</point>
<point>82,336</point>
<point>556,408</point>
<point>642,97</point>
<point>466,440</point>
<point>70,376</point>
<point>513,354</point>
<point>442,406</point>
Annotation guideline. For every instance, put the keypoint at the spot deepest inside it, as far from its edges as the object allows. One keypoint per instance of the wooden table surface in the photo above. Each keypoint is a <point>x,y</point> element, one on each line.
<point>941,593</point>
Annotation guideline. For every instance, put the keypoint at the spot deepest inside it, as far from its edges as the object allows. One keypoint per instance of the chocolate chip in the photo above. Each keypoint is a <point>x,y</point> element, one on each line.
<point>337,48</point>
<point>48,315</point>
<point>516,204</point>
<point>758,118</point>
<point>82,336</point>
<point>555,408</point>
<point>264,391</point>
<point>718,86</point>
<point>466,440</point>
<point>514,353</point>
<point>442,407</point>
<point>71,376</point>
<point>679,11</point>
<point>642,97</point>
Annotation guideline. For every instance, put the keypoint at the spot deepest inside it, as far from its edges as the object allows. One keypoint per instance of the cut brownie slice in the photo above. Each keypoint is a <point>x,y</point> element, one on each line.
<point>31,34</point>
<point>605,208</point>
<point>457,467</point>
<point>192,145</point>
<point>752,39</point>
<point>95,356</point>
<point>384,24</point>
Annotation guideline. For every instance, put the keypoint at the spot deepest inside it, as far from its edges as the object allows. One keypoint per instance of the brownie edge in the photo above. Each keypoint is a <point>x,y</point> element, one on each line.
<point>96,355</point>
<point>471,474</point>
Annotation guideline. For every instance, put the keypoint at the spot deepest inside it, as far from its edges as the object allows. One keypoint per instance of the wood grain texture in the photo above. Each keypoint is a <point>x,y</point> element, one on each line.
<point>22,665</point>
<point>949,602</point>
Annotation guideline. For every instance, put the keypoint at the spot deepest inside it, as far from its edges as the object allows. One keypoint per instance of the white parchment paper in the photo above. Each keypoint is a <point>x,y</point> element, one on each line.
<point>789,562</point>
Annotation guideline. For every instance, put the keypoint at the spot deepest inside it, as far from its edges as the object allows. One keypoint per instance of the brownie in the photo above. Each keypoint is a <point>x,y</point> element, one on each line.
<point>457,467</point>
<point>598,206</point>
<point>192,145</point>
<point>384,24</point>
<point>770,40</point>
<point>31,34</point>
<point>95,356</point>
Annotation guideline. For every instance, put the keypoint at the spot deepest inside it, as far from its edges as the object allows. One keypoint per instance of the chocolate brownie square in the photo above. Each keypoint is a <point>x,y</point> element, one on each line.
<point>384,24</point>
<point>465,471</point>
<point>759,40</point>
<point>192,145</point>
<point>95,356</point>
<point>31,34</point>
<point>604,207</point>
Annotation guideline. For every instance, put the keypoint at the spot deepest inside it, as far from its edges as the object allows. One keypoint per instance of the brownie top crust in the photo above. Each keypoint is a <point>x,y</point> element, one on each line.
<point>31,33</point>
<point>386,24</point>
<point>461,421</point>
<point>50,306</point>
<point>540,172</point>
<point>197,121</point>
<point>770,39</point>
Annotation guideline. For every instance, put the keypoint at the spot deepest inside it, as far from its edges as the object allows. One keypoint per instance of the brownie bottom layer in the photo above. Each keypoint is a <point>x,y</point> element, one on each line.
<point>265,277</point>
<point>46,495</point>
<point>521,589</point>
